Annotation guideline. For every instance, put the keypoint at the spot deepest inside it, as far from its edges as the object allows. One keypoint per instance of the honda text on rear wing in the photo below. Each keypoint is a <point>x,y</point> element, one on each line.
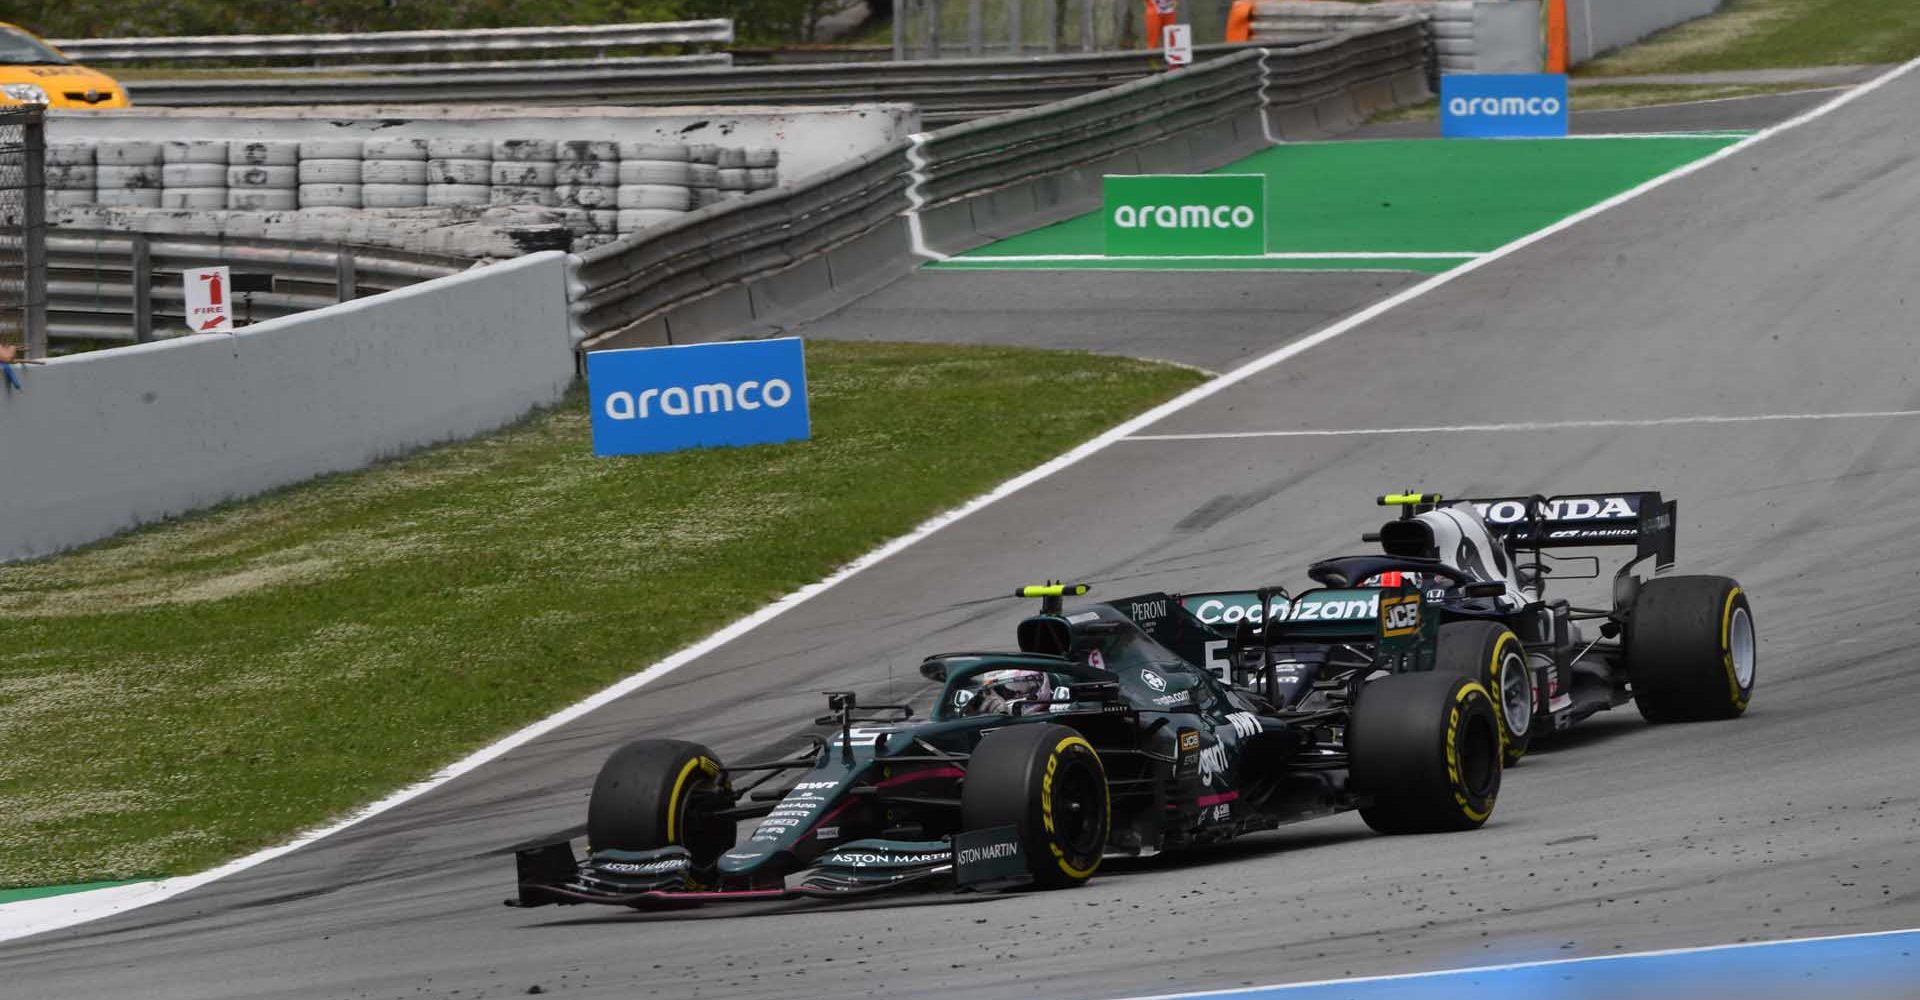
<point>1637,518</point>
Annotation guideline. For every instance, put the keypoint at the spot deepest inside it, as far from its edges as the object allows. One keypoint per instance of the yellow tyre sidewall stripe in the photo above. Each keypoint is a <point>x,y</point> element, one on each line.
<point>1455,714</point>
<point>711,767</point>
<point>1046,807</point>
<point>1496,670</point>
<point>1726,650</point>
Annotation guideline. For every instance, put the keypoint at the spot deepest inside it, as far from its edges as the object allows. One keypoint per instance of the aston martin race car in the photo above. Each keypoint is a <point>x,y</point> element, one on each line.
<point>1681,648</point>
<point>1091,740</point>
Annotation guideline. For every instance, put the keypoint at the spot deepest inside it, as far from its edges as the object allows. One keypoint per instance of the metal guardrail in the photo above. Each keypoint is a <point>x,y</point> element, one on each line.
<point>949,91</point>
<point>119,286</point>
<point>633,281</point>
<point>493,65</point>
<point>718,31</point>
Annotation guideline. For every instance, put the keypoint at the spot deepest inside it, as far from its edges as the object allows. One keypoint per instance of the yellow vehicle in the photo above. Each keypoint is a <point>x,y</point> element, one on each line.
<point>33,72</point>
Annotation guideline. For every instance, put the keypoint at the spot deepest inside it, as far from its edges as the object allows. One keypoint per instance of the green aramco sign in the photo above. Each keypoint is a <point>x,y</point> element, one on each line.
<point>1186,215</point>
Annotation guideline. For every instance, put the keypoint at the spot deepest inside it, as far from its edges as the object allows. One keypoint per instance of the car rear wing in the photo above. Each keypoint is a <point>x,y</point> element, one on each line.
<point>1640,519</point>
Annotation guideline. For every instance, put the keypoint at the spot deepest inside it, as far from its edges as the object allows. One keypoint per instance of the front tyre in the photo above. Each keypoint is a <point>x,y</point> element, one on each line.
<point>1047,782</point>
<point>1490,653</point>
<point>661,793</point>
<point>1424,753</point>
<point>1690,649</point>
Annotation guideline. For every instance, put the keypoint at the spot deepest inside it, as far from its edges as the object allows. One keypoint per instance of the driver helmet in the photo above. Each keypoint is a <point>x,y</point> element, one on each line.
<point>999,689</point>
<point>1393,578</point>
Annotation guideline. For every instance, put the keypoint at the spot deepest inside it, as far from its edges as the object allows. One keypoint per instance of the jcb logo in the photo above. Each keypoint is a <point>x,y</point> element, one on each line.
<point>1399,616</point>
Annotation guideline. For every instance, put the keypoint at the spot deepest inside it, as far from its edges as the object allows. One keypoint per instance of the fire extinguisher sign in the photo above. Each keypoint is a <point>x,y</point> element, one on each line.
<point>209,299</point>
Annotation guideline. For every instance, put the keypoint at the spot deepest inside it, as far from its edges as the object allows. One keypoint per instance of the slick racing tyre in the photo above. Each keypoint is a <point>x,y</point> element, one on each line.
<point>1047,782</point>
<point>1490,653</point>
<point>1424,753</point>
<point>1690,649</point>
<point>658,793</point>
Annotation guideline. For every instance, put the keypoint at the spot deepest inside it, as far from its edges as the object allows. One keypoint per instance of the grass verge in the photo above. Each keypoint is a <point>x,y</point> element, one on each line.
<point>1613,98</point>
<point>1775,34</point>
<point>209,686</point>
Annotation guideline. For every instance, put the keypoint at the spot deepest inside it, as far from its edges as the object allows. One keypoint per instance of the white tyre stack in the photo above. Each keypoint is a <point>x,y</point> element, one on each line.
<point>330,173</point>
<point>706,173</point>
<point>393,173</point>
<point>656,184</point>
<point>763,167</point>
<point>587,177</point>
<point>733,173</point>
<point>127,174</point>
<point>71,176</point>
<point>193,174</point>
<point>524,172</point>
<point>263,175</point>
<point>459,171</point>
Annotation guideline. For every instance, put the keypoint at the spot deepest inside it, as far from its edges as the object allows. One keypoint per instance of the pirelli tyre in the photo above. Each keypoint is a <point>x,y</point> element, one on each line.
<point>1047,783</point>
<point>1424,753</point>
<point>659,793</point>
<point>1690,649</point>
<point>1490,653</point>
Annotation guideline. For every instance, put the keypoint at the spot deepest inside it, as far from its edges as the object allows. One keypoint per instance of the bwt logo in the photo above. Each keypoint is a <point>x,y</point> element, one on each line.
<point>1500,107</point>
<point>1184,217</point>
<point>714,397</point>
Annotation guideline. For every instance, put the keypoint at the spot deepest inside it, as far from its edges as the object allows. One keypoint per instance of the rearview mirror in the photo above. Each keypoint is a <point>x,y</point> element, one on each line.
<point>934,670</point>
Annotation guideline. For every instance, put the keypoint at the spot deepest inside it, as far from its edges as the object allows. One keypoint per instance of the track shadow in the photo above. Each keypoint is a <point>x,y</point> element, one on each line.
<point>780,908</point>
<point>1600,728</point>
<point>1194,859</point>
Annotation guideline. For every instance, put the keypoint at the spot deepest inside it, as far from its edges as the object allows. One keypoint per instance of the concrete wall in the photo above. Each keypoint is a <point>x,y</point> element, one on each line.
<point>1506,37</point>
<point>809,139</point>
<point>1595,27</point>
<point>97,443</point>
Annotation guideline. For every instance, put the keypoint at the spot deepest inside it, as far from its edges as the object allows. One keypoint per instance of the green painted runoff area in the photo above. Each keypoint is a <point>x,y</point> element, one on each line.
<point>1422,196</point>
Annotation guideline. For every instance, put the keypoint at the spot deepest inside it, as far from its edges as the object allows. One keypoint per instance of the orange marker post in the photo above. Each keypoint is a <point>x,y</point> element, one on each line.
<point>1556,36</point>
<point>1240,21</point>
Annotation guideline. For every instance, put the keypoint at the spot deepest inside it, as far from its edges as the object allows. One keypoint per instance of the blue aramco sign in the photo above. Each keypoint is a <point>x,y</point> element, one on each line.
<point>1503,106</point>
<point>655,399</point>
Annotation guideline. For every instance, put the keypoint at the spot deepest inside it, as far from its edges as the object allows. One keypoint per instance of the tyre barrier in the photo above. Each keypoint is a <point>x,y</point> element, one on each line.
<point>71,175</point>
<point>594,187</point>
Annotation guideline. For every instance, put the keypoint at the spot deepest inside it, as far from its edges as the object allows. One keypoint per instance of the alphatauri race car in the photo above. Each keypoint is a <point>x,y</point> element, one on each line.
<point>1091,740</point>
<point>1681,648</point>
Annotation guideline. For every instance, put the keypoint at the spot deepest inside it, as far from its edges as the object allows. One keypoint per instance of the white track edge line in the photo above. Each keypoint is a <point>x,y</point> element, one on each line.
<point>167,888</point>
<point>1545,963</point>
<point>1552,425</point>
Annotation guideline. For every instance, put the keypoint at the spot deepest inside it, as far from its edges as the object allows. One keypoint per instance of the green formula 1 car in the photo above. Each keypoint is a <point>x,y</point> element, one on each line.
<point>1091,740</point>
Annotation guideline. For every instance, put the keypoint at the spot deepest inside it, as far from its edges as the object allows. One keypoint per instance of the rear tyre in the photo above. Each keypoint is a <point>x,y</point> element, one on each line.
<point>1047,782</point>
<point>1690,649</point>
<point>1490,653</point>
<point>1424,753</point>
<point>660,793</point>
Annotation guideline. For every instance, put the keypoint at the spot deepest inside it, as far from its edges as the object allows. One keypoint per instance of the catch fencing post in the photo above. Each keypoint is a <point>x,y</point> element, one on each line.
<point>346,278</point>
<point>142,268</point>
<point>33,220</point>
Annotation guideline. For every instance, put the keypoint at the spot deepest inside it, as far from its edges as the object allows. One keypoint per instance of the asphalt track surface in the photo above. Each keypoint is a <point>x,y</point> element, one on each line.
<point>1778,281</point>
